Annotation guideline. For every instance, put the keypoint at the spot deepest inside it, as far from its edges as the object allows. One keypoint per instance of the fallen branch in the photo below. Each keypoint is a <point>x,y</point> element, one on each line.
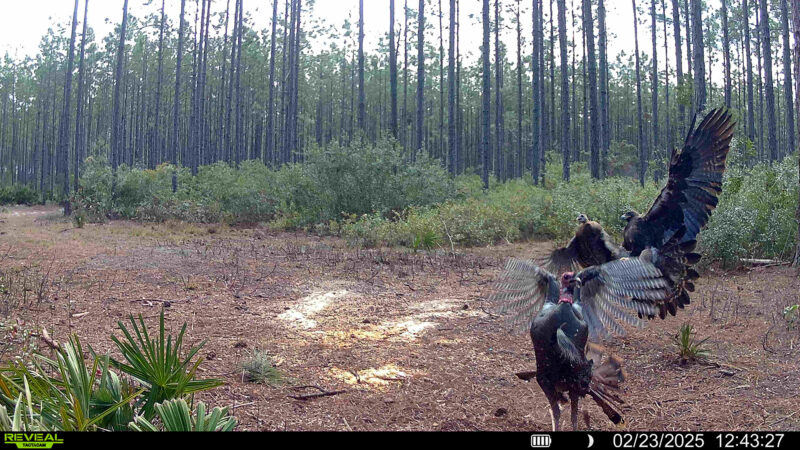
<point>45,336</point>
<point>764,262</point>
<point>321,393</point>
<point>526,376</point>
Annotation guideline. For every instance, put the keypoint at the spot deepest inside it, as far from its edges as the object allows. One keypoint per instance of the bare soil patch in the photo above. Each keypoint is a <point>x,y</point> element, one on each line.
<point>407,336</point>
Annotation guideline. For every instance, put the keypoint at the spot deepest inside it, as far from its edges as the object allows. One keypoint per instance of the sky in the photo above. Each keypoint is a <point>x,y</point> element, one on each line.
<point>23,23</point>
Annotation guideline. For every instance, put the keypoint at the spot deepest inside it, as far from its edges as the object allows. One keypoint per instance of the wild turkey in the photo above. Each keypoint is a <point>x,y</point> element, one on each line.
<point>684,205</point>
<point>563,316</point>
<point>591,246</point>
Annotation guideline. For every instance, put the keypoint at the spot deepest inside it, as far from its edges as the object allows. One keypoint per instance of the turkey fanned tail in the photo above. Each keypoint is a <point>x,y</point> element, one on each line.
<point>607,375</point>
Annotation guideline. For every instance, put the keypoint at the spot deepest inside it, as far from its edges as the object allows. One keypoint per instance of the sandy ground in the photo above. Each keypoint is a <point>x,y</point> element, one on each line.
<point>407,337</point>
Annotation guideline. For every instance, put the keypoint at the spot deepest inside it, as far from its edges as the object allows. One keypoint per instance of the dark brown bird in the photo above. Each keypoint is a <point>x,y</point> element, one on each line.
<point>685,204</point>
<point>563,314</point>
<point>591,246</point>
<point>692,190</point>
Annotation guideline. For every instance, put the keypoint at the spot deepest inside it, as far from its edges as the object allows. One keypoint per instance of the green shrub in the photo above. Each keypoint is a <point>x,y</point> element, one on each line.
<point>372,196</point>
<point>508,212</point>
<point>361,180</point>
<point>18,195</point>
<point>93,197</point>
<point>329,184</point>
<point>756,214</point>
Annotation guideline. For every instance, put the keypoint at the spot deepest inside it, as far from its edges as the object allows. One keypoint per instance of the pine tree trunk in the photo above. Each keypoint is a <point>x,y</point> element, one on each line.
<point>202,152</point>
<point>499,119</point>
<point>392,71</point>
<point>361,101</point>
<point>296,147</point>
<point>772,141</point>
<point>639,116</point>
<point>63,138</point>
<point>699,57</point>
<point>594,109</point>
<point>654,79</point>
<point>80,149</point>
<point>562,44</point>
<point>451,90</point>
<point>689,54</point>
<point>486,98</point>
<point>460,147</point>
<point>575,134</point>
<point>238,148</point>
<point>543,126</point>
<point>667,111</point>
<point>270,154</point>
<point>751,121</point>
<point>440,147</point>
<point>726,54</point>
<point>404,134</point>
<point>536,141</point>
<point>177,101</point>
<point>605,107</point>
<point>551,117</point>
<point>157,147</point>
<point>117,130</point>
<point>227,149</point>
<point>520,108</point>
<point>676,24</point>
<point>420,79</point>
<point>796,32</point>
<point>787,83</point>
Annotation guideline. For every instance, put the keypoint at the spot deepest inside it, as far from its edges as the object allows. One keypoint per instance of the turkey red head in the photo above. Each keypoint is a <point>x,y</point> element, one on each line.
<point>568,284</point>
<point>566,279</point>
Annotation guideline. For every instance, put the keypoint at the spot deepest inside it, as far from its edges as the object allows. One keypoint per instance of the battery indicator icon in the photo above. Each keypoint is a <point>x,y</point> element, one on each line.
<point>541,441</point>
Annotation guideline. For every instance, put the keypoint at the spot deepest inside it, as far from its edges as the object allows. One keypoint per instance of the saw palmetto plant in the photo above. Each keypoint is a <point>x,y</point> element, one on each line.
<point>67,392</point>
<point>72,392</point>
<point>158,364</point>
<point>175,416</point>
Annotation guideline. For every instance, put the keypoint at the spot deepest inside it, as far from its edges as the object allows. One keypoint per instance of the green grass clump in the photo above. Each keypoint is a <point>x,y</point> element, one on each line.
<point>689,348</point>
<point>259,367</point>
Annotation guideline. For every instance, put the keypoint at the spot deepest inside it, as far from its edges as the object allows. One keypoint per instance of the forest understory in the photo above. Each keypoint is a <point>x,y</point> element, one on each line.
<point>399,340</point>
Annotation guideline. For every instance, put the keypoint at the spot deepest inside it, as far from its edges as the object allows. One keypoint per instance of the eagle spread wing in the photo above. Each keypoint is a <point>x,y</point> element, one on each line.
<point>564,259</point>
<point>695,180</point>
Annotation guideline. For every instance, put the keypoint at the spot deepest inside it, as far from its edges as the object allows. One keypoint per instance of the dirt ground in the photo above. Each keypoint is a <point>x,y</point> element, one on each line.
<point>407,337</point>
